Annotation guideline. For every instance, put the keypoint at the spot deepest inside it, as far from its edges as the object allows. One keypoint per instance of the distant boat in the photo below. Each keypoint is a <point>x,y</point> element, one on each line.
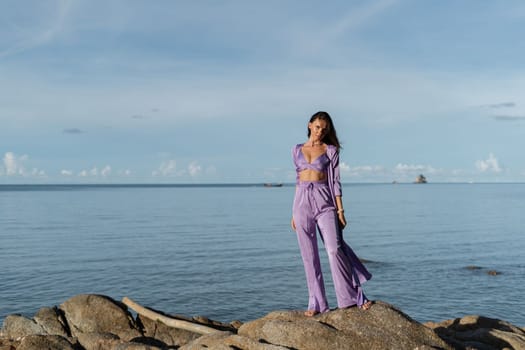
<point>271,184</point>
<point>421,179</point>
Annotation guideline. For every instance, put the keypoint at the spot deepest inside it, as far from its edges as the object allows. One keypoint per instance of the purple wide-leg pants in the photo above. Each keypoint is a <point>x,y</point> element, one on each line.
<point>313,207</point>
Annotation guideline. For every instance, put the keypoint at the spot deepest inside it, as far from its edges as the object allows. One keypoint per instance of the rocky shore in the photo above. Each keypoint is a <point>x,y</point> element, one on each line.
<point>97,322</point>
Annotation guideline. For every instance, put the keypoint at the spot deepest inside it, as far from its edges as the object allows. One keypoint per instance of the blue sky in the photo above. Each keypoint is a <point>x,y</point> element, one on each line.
<point>219,91</point>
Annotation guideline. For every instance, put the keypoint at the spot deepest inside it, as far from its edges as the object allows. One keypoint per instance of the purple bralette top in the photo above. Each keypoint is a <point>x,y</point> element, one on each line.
<point>327,163</point>
<point>319,164</point>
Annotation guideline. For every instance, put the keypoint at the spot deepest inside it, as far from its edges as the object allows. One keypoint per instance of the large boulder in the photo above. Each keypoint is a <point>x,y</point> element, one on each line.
<point>90,313</point>
<point>480,332</point>
<point>18,326</point>
<point>168,335</point>
<point>8,344</point>
<point>52,320</point>
<point>380,327</point>
<point>228,341</point>
<point>45,342</point>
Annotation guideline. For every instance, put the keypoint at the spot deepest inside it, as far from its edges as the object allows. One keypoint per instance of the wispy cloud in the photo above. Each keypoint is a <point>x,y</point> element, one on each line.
<point>94,172</point>
<point>166,168</point>
<point>362,170</point>
<point>502,105</point>
<point>414,168</point>
<point>139,116</point>
<point>508,118</point>
<point>72,131</point>
<point>491,164</point>
<point>194,169</point>
<point>38,35</point>
<point>361,16</point>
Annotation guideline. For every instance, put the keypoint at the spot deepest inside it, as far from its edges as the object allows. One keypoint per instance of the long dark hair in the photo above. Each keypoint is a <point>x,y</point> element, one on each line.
<point>330,138</point>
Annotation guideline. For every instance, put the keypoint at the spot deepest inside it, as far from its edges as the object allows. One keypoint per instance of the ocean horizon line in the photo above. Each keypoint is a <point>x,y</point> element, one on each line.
<point>26,186</point>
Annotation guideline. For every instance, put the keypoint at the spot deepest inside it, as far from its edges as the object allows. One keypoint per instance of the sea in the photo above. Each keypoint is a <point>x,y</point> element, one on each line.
<point>226,251</point>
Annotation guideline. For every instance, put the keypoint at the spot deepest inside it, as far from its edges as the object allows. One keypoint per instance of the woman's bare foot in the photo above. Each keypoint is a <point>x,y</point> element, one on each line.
<point>366,305</point>
<point>310,313</point>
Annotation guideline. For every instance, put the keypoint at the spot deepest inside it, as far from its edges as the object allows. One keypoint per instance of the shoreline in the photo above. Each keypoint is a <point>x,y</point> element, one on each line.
<point>93,321</point>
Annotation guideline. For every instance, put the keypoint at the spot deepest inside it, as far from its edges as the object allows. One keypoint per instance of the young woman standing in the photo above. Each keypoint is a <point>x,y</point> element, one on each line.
<point>318,204</point>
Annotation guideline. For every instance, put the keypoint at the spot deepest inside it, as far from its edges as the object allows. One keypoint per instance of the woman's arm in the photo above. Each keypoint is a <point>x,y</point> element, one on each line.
<point>340,211</point>
<point>338,193</point>
<point>293,221</point>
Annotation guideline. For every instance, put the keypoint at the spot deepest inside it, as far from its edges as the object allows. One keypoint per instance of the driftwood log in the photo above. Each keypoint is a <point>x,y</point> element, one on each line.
<point>168,321</point>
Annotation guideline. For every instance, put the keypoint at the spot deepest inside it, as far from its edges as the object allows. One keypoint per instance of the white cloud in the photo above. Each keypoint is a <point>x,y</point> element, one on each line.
<point>413,168</point>
<point>491,164</point>
<point>211,170</point>
<point>65,172</point>
<point>16,166</point>
<point>362,170</point>
<point>167,168</point>
<point>93,172</point>
<point>12,164</point>
<point>106,171</point>
<point>194,169</point>
<point>38,173</point>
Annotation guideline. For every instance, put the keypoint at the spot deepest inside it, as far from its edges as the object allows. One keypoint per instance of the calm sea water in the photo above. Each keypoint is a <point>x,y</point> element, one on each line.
<point>228,252</point>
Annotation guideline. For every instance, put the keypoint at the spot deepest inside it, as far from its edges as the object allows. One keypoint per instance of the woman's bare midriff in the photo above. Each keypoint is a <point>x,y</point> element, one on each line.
<point>312,175</point>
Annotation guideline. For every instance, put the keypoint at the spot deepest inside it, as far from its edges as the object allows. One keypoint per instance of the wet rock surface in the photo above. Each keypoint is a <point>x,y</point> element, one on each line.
<point>97,322</point>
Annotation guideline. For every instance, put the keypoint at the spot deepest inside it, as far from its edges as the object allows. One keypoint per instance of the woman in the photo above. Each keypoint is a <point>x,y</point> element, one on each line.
<point>318,203</point>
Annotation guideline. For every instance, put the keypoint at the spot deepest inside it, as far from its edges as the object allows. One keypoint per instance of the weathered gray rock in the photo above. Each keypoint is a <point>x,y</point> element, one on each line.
<point>8,344</point>
<point>98,341</point>
<point>480,332</point>
<point>381,327</point>
<point>228,341</point>
<point>89,313</point>
<point>211,341</point>
<point>45,342</point>
<point>382,324</point>
<point>52,320</point>
<point>168,335</point>
<point>307,334</point>
<point>136,346</point>
<point>17,326</point>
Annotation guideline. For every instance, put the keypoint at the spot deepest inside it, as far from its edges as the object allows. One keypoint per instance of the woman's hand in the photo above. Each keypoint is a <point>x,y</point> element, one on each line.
<point>293,224</point>
<point>342,219</point>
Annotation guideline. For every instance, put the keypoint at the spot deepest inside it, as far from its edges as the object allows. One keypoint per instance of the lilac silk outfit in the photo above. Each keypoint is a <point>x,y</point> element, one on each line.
<point>314,206</point>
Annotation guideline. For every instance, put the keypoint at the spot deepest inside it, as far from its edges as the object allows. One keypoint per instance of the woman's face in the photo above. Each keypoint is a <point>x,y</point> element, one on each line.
<point>318,129</point>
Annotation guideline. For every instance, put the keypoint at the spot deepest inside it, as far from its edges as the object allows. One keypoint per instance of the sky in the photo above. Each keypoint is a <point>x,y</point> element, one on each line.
<point>219,91</point>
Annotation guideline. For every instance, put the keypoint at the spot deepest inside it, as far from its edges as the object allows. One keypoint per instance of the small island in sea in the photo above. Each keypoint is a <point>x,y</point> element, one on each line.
<point>421,179</point>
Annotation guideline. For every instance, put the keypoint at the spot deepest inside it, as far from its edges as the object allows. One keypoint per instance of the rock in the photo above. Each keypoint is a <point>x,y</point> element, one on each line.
<point>8,344</point>
<point>228,341</point>
<point>98,341</point>
<point>136,346</point>
<point>493,273</point>
<point>177,337</point>
<point>212,341</point>
<point>168,335</point>
<point>17,326</point>
<point>89,313</point>
<point>44,342</point>
<point>381,327</point>
<point>236,324</point>
<point>480,332</point>
<point>420,179</point>
<point>96,322</point>
<point>52,320</point>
